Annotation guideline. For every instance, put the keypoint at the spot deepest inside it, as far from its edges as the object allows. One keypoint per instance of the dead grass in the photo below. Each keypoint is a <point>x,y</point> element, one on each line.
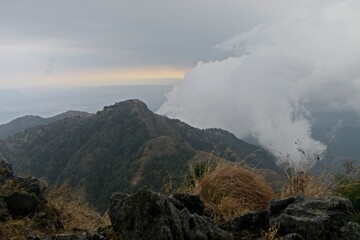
<point>230,190</point>
<point>301,176</point>
<point>75,212</point>
<point>271,234</point>
<point>307,185</point>
<point>15,229</point>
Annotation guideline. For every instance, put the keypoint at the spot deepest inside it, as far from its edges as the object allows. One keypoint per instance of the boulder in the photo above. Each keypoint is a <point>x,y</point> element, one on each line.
<point>33,186</point>
<point>311,218</point>
<point>351,231</point>
<point>192,202</point>
<point>149,215</point>
<point>21,204</point>
<point>248,226</point>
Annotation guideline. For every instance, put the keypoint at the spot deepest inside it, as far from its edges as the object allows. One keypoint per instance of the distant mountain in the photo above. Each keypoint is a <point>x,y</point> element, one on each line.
<point>121,148</point>
<point>25,122</point>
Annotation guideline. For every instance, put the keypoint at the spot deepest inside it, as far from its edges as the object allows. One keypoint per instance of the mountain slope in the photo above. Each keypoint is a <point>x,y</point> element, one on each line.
<point>22,123</point>
<point>122,148</point>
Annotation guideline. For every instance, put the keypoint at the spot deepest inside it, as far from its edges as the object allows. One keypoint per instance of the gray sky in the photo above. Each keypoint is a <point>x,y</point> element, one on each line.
<point>88,42</point>
<point>257,68</point>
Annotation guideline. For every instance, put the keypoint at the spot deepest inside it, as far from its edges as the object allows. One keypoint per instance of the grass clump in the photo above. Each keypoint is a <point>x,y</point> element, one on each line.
<point>272,233</point>
<point>306,184</point>
<point>229,190</point>
<point>15,229</point>
<point>348,185</point>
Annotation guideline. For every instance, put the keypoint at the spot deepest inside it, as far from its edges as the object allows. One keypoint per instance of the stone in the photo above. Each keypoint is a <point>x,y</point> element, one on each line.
<point>33,185</point>
<point>21,203</point>
<point>192,202</point>
<point>351,231</point>
<point>149,215</point>
<point>249,225</point>
<point>311,218</point>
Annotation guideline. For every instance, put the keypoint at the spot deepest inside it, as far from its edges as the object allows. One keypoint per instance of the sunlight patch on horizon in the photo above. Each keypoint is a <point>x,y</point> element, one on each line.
<point>135,76</point>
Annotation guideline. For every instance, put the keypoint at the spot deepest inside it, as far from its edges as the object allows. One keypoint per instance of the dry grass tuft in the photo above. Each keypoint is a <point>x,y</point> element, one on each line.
<point>271,234</point>
<point>307,185</point>
<point>230,190</point>
<point>75,212</point>
<point>15,229</point>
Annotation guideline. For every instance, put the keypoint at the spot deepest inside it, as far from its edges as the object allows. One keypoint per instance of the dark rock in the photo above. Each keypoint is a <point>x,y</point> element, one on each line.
<point>34,186</point>
<point>21,203</point>
<point>148,215</point>
<point>249,225</point>
<point>192,202</point>
<point>351,231</point>
<point>4,212</point>
<point>312,218</point>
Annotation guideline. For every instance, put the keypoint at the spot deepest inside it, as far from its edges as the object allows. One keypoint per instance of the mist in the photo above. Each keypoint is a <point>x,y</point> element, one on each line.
<point>47,102</point>
<point>280,72</point>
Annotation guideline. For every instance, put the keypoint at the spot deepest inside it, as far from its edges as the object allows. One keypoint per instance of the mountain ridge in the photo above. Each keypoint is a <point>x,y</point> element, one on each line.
<point>121,148</point>
<point>22,123</point>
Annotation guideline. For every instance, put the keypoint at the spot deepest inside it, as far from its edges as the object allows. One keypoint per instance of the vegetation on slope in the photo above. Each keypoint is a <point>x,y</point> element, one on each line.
<point>122,148</point>
<point>22,123</point>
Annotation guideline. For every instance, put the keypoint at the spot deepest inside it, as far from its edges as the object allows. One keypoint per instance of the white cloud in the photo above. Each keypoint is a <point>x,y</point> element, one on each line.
<point>278,70</point>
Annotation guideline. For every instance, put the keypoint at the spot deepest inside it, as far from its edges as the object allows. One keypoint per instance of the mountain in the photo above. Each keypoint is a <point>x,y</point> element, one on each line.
<point>22,123</point>
<point>121,148</point>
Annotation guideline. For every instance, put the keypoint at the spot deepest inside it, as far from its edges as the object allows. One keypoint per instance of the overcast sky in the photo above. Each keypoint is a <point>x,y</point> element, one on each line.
<point>91,42</point>
<point>257,68</point>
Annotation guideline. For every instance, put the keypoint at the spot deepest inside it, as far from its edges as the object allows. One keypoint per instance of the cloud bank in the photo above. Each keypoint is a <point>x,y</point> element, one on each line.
<point>278,70</point>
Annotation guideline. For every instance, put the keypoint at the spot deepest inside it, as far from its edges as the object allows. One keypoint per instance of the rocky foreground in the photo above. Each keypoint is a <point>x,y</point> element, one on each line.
<point>149,215</point>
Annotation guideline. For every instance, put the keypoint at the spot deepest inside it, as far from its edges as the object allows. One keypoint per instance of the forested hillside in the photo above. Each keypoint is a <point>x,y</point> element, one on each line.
<point>20,124</point>
<point>121,148</point>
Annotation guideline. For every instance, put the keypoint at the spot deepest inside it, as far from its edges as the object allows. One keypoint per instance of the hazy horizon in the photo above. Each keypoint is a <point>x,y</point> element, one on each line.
<point>47,102</point>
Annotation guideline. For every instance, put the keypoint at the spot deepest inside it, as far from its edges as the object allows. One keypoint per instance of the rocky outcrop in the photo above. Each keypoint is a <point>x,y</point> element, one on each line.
<point>18,196</point>
<point>248,226</point>
<point>192,202</point>
<point>312,218</point>
<point>299,218</point>
<point>149,215</point>
<point>24,198</point>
